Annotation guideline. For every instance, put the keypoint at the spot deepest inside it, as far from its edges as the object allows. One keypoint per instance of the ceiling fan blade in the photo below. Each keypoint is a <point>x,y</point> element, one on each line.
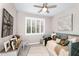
<point>38,6</point>
<point>47,11</point>
<point>53,6</point>
<point>40,10</point>
<point>45,4</point>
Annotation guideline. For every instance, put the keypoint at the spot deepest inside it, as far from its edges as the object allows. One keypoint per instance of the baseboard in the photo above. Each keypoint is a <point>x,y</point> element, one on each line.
<point>34,43</point>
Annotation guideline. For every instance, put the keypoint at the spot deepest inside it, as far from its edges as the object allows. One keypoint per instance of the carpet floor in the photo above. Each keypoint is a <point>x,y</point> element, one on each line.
<point>34,50</point>
<point>38,50</point>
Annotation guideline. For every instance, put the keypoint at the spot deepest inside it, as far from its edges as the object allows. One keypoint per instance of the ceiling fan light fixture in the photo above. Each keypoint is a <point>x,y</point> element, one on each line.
<point>44,9</point>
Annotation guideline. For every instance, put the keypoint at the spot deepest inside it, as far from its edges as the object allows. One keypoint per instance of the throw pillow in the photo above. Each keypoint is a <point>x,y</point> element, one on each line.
<point>53,34</point>
<point>58,40</point>
<point>66,42</point>
<point>62,42</point>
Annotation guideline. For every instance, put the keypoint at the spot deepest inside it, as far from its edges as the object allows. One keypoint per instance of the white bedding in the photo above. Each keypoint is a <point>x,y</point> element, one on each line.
<point>56,49</point>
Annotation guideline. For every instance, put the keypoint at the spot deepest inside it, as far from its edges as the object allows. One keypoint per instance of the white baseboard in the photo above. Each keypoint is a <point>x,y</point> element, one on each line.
<point>34,43</point>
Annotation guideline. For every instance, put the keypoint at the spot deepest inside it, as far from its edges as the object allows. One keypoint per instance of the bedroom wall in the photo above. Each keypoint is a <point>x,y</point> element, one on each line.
<point>21,27</point>
<point>11,9</point>
<point>75,12</point>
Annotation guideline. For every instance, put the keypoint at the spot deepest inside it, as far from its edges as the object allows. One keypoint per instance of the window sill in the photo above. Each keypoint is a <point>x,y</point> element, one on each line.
<point>34,33</point>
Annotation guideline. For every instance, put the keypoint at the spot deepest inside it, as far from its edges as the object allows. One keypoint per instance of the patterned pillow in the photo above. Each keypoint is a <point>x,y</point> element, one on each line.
<point>64,42</point>
<point>58,40</point>
<point>62,36</point>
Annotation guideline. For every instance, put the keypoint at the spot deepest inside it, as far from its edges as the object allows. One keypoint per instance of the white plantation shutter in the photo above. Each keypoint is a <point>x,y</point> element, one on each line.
<point>34,25</point>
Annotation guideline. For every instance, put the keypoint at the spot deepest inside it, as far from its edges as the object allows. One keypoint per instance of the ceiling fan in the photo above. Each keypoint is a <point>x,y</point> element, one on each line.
<point>44,7</point>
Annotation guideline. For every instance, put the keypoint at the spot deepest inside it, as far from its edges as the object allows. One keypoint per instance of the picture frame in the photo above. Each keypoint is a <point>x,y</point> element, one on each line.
<point>7,23</point>
<point>7,45</point>
<point>65,23</point>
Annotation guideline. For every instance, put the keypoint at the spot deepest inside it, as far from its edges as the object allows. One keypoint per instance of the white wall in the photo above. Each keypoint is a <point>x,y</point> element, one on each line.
<point>75,12</point>
<point>11,9</point>
<point>21,26</point>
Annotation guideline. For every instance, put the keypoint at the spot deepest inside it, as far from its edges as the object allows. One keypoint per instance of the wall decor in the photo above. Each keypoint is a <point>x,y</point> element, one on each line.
<point>7,23</point>
<point>7,45</point>
<point>65,23</point>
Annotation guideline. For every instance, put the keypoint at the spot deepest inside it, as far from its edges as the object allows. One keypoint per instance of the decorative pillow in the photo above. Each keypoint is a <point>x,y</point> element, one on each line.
<point>62,42</point>
<point>54,37</point>
<point>58,40</point>
<point>7,45</point>
<point>62,36</point>
<point>66,42</point>
<point>53,34</point>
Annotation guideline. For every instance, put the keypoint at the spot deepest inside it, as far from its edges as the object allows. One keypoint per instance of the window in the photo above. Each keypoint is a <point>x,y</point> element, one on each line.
<point>34,25</point>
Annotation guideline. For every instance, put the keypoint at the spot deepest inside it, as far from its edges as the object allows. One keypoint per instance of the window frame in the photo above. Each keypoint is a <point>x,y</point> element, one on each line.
<point>33,18</point>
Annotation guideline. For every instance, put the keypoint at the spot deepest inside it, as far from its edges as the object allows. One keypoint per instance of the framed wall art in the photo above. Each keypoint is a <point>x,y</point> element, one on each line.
<point>7,23</point>
<point>65,23</point>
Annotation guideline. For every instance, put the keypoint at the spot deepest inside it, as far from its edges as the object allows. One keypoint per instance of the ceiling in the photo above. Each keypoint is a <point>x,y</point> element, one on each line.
<point>28,7</point>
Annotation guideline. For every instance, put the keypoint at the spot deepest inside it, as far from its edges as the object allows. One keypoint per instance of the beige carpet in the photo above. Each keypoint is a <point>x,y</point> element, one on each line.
<point>38,50</point>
